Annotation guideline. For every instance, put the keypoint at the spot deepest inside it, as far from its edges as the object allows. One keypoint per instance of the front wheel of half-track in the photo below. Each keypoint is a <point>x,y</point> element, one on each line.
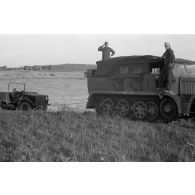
<point>168,109</point>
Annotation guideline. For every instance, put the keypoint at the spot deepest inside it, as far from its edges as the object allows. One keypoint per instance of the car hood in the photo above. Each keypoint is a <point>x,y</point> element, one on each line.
<point>34,94</point>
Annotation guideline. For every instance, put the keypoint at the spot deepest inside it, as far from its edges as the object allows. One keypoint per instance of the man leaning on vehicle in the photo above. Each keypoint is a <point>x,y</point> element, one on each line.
<point>166,74</point>
<point>106,51</point>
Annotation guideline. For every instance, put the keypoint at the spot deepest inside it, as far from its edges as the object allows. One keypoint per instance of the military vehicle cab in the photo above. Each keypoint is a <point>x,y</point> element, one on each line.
<point>129,86</point>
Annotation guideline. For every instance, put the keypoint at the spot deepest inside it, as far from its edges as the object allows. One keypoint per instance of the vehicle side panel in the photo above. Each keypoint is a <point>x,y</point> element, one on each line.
<point>4,96</point>
<point>134,83</point>
<point>191,101</point>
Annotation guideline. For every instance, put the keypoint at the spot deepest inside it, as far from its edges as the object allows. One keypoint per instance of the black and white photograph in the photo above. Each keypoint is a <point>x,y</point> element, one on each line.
<point>80,98</point>
<point>97,97</point>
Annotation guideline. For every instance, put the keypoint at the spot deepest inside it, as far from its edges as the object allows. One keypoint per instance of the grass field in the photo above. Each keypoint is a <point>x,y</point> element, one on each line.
<point>74,136</point>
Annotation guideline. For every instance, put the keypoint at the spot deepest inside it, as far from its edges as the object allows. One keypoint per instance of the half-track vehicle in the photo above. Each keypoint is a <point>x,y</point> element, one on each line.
<point>129,86</point>
<point>22,100</point>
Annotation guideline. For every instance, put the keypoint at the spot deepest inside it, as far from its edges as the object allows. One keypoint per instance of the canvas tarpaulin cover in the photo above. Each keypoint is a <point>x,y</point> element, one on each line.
<point>112,65</point>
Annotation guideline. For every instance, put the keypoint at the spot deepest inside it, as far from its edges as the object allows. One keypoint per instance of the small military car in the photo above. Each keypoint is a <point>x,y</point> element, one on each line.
<point>22,100</point>
<point>129,86</point>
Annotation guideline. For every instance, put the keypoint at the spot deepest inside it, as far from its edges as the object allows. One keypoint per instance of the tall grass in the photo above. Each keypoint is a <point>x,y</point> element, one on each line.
<point>72,136</point>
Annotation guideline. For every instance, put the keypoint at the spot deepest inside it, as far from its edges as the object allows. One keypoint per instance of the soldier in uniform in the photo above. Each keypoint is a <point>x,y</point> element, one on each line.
<point>106,51</point>
<point>166,74</point>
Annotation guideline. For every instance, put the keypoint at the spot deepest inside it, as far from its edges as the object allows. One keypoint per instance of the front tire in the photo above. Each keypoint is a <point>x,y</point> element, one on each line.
<point>168,109</point>
<point>25,106</point>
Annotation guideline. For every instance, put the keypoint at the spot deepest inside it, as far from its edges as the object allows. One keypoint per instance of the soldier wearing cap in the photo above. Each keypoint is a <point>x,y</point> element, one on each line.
<point>106,51</point>
<point>166,74</point>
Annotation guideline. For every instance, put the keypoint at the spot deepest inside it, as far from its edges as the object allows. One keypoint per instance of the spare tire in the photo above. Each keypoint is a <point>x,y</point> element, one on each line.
<point>25,106</point>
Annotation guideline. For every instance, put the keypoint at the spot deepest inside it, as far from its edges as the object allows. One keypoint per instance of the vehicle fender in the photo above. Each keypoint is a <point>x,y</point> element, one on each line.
<point>192,99</point>
<point>26,100</point>
<point>175,97</point>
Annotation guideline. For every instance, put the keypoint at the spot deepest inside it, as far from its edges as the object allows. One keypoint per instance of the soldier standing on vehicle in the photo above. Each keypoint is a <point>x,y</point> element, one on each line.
<point>166,74</point>
<point>106,51</point>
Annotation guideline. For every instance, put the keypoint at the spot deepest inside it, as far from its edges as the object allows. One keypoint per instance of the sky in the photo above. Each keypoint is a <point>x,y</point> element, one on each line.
<point>20,50</point>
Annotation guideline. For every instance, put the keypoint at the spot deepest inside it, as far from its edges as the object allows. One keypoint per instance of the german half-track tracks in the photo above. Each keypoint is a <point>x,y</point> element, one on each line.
<point>137,107</point>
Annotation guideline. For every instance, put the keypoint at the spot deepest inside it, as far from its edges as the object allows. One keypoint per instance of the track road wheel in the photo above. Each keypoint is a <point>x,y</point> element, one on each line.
<point>168,109</point>
<point>107,107</point>
<point>122,107</point>
<point>153,111</point>
<point>139,110</point>
<point>25,106</point>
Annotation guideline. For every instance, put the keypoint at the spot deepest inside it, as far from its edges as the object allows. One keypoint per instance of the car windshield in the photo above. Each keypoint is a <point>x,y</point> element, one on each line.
<point>16,86</point>
<point>190,69</point>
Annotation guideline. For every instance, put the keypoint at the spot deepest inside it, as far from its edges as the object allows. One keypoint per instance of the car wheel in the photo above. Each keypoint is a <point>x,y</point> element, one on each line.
<point>25,106</point>
<point>168,109</point>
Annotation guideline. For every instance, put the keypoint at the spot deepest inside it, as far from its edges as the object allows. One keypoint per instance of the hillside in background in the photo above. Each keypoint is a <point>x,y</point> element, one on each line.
<point>72,67</point>
<point>58,67</point>
<point>61,67</point>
